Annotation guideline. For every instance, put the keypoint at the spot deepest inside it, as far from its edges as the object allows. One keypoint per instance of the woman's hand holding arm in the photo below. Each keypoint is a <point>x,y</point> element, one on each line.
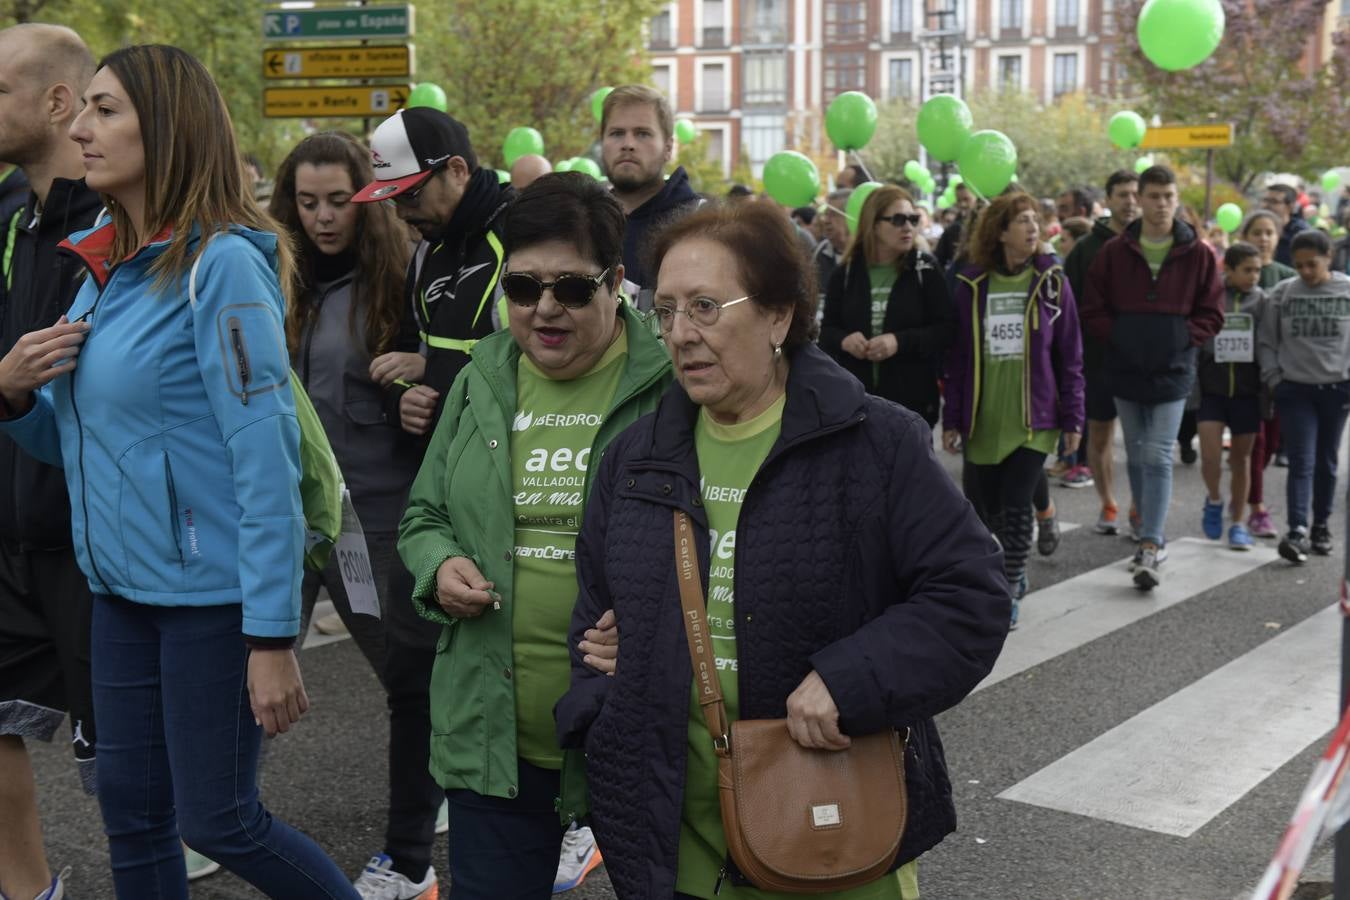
<point>601,644</point>
<point>461,589</point>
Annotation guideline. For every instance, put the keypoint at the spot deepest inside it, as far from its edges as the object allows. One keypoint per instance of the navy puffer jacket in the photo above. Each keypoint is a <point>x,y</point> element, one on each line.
<point>856,556</point>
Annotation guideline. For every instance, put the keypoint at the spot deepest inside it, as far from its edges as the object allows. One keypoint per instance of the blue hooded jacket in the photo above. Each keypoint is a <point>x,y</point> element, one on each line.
<point>177,432</point>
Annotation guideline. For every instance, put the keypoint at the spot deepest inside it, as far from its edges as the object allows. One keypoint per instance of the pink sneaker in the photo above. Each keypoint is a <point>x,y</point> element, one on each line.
<point>1261,526</point>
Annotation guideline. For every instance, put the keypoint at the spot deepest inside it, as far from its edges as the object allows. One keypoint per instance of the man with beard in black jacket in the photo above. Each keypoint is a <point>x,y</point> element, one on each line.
<point>636,137</point>
<point>44,599</point>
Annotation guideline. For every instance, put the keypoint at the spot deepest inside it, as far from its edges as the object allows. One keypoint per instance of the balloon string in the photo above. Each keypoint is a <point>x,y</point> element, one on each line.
<point>862,165</point>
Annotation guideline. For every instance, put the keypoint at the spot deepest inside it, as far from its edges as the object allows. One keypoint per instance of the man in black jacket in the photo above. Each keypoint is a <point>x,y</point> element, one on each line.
<point>44,599</point>
<point>425,164</point>
<point>1282,200</point>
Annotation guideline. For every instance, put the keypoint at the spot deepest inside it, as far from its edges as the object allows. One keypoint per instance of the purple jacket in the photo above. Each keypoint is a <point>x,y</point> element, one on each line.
<point>1053,351</point>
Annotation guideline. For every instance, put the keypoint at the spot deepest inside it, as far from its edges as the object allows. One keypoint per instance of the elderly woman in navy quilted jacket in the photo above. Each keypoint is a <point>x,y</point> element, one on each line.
<point>850,586</point>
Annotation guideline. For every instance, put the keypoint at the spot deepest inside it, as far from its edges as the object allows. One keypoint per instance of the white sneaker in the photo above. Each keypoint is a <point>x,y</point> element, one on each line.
<point>379,882</point>
<point>443,818</point>
<point>57,890</point>
<point>578,859</point>
<point>198,866</point>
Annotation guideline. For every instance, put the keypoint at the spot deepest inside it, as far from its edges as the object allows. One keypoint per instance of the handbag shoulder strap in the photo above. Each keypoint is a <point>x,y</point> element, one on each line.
<point>700,643</point>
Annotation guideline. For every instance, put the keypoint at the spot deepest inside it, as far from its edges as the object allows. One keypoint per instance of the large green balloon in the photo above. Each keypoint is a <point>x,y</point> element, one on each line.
<point>1331,179</point>
<point>521,142</point>
<point>853,208</point>
<point>913,171</point>
<point>1126,129</point>
<point>791,178</point>
<point>685,130</point>
<point>851,120</point>
<point>944,124</point>
<point>1179,34</point>
<point>988,162</point>
<point>427,94</point>
<point>587,165</point>
<point>1229,217</point>
<point>598,102</point>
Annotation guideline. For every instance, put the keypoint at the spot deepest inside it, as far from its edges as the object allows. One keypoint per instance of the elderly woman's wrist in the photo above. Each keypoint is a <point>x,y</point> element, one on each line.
<point>14,404</point>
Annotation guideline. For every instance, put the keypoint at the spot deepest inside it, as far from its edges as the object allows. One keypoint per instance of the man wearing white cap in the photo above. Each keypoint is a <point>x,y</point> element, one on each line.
<point>426,167</point>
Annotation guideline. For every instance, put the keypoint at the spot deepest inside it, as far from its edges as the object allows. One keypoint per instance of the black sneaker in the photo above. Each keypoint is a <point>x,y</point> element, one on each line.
<point>1320,540</point>
<point>1047,535</point>
<point>1295,547</point>
<point>1188,455</point>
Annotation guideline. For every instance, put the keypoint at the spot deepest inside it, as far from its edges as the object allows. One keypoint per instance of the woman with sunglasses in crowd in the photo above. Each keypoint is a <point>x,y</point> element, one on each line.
<point>490,530</point>
<point>888,315</point>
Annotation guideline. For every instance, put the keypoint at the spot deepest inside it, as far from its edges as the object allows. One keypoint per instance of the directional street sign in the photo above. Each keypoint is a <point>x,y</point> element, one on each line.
<point>337,102</point>
<point>1190,137</point>
<point>338,62</point>
<point>344,22</point>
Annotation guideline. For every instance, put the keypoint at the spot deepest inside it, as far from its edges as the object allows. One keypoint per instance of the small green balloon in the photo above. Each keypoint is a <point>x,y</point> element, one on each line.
<point>427,94</point>
<point>1142,163</point>
<point>946,199</point>
<point>521,142</point>
<point>1126,129</point>
<point>563,165</point>
<point>913,171</point>
<point>587,165</point>
<point>988,162</point>
<point>1331,179</point>
<point>944,125</point>
<point>955,180</point>
<point>851,120</point>
<point>503,176</point>
<point>1180,34</point>
<point>853,208</point>
<point>1229,217</point>
<point>791,178</point>
<point>685,131</point>
<point>598,102</point>
<point>928,184</point>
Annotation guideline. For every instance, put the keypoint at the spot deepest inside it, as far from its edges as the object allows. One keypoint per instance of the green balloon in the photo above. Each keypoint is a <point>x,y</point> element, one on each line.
<point>503,176</point>
<point>1229,217</point>
<point>1142,163</point>
<point>791,178</point>
<point>564,165</point>
<point>946,198</point>
<point>685,131</point>
<point>598,102</point>
<point>853,209</point>
<point>851,120</point>
<point>1126,129</point>
<point>928,184</point>
<point>955,180</point>
<point>1179,34</point>
<point>914,171</point>
<point>988,162</point>
<point>587,165</point>
<point>1331,179</point>
<point>427,94</point>
<point>521,142</point>
<point>944,124</point>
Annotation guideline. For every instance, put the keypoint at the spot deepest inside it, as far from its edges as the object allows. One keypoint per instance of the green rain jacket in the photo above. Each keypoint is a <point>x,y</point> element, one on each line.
<point>461,505</point>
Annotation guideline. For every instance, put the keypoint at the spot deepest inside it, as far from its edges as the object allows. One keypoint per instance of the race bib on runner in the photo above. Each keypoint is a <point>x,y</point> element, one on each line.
<point>1236,343</point>
<point>1004,324</point>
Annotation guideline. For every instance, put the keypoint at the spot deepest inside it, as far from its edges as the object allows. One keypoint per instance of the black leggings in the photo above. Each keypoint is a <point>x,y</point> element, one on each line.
<point>1002,496</point>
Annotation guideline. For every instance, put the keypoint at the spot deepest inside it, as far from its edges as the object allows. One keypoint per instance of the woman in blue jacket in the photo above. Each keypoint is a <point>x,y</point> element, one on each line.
<point>165,395</point>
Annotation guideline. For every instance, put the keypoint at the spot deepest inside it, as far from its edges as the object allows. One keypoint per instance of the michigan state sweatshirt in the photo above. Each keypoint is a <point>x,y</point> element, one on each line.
<point>1304,333</point>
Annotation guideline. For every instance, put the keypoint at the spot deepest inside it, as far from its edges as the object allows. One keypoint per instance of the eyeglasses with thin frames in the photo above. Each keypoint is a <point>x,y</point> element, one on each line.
<point>412,196</point>
<point>702,311</point>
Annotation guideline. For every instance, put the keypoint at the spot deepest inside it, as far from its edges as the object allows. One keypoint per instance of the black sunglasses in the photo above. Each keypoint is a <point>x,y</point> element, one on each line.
<point>900,219</point>
<point>571,289</point>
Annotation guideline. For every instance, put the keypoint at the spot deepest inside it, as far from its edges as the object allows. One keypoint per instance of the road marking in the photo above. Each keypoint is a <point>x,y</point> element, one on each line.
<point>1181,762</point>
<point>1067,615</point>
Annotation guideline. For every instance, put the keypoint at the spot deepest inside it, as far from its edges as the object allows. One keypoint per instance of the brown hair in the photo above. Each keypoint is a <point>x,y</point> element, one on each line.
<point>194,174</point>
<point>986,246</point>
<point>1076,226</point>
<point>863,248</point>
<point>635,95</point>
<point>381,244</point>
<point>772,263</point>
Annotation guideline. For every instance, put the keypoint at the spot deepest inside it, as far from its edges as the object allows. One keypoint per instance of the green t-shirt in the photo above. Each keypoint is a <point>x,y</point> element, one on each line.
<point>882,279</point>
<point>1155,252</point>
<point>1272,273</point>
<point>555,425</point>
<point>1000,424</point>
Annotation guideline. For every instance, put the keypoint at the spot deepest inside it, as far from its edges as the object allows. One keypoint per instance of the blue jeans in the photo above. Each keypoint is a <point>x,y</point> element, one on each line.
<point>1150,429</point>
<point>178,754</point>
<point>1312,417</point>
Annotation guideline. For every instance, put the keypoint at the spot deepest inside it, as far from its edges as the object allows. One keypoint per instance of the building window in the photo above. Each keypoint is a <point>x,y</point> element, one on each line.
<point>714,34</point>
<point>763,136</point>
<point>660,29</point>
<point>1066,13</point>
<point>1009,73</point>
<point>1009,14</point>
<point>900,83</point>
<point>714,79</point>
<point>902,17</point>
<point>764,21</point>
<point>661,79</point>
<point>844,72</point>
<point>765,79</point>
<point>1066,73</point>
<point>845,21</point>
<point>717,140</point>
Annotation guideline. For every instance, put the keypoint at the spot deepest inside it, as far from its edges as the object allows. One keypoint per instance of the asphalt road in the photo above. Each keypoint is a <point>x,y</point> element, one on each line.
<point>1142,684</point>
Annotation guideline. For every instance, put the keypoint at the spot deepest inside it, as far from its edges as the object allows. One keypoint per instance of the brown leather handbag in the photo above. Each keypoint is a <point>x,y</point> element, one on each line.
<point>797,821</point>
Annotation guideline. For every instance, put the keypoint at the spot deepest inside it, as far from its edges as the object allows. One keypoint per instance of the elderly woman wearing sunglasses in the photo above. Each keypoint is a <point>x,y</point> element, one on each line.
<point>491,526</point>
<point>888,313</point>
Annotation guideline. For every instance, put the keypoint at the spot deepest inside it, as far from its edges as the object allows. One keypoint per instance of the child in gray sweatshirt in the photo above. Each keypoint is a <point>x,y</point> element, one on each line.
<point>1303,347</point>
